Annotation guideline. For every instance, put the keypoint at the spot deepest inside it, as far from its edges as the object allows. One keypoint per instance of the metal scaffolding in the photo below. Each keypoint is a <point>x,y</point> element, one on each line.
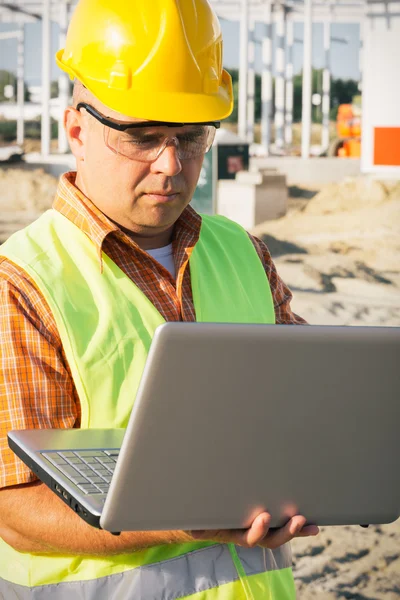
<point>307,80</point>
<point>289,84</point>
<point>280,60</point>
<point>279,13</point>
<point>63,79</point>
<point>266,81</point>
<point>251,91</point>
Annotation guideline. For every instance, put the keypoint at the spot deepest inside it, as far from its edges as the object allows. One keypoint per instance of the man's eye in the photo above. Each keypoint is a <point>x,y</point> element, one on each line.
<point>191,137</point>
<point>138,141</point>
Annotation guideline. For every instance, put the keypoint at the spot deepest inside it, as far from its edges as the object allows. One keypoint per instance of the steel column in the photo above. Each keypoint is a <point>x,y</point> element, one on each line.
<point>266,81</point>
<point>21,85</point>
<point>307,81</point>
<point>46,75</point>
<point>63,80</point>
<point>361,55</point>
<point>289,84</point>
<point>251,86</point>
<point>243,69</point>
<point>280,77</point>
<point>326,86</point>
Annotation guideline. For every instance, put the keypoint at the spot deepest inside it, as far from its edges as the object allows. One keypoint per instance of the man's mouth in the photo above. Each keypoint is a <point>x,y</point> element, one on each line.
<point>162,196</point>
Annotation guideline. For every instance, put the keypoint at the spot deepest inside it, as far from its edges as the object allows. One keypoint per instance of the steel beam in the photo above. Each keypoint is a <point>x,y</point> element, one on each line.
<point>326,86</point>
<point>266,80</point>
<point>307,81</point>
<point>289,84</point>
<point>280,77</point>
<point>63,80</point>
<point>21,84</point>
<point>251,86</point>
<point>46,79</point>
<point>243,69</point>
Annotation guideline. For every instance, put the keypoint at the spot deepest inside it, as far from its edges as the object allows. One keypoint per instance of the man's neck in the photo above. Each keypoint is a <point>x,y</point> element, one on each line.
<point>148,242</point>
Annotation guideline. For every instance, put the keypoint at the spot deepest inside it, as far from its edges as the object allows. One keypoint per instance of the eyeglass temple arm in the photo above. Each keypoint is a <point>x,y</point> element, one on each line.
<point>123,126</point>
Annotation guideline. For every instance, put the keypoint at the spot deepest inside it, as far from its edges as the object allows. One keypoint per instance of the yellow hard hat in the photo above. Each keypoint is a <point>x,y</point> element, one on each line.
<point>151,59</point>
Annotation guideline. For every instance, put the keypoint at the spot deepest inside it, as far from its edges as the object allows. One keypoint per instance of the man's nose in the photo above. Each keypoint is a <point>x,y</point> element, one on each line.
<point>168,161</point>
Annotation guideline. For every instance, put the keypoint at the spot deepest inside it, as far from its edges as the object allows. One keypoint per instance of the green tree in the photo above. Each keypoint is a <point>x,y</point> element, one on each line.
<point>8,78</point>
<point>257,99</point>
<point>54,88</point>
<point>342,92</point>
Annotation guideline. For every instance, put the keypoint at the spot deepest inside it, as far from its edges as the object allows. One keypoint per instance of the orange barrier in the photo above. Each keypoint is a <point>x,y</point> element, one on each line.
<point>387,146</point>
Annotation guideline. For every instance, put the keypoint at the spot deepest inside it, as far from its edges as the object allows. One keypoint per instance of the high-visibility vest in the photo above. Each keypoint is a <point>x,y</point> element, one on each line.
<point>106,325</point>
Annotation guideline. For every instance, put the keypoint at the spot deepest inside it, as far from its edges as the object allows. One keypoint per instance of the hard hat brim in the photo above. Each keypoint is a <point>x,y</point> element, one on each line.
<point>175,107</point>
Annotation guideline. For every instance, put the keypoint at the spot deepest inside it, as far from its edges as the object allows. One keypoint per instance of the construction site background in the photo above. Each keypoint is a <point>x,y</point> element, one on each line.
<point>338,249</point>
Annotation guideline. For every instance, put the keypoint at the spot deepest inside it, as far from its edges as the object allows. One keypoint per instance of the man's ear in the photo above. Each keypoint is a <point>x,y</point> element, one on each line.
<point>74,128</point>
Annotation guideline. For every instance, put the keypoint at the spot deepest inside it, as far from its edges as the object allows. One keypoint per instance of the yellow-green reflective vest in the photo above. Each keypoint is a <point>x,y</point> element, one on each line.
<point>106,326</point>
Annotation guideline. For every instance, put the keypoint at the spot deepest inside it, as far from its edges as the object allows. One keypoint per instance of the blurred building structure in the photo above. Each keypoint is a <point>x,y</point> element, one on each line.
<point>379,21</point>
<point>381,89</point>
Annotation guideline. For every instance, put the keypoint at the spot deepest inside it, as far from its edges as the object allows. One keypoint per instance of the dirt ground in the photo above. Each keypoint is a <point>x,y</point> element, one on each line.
<point>24,195</point>
<point>338,249</point>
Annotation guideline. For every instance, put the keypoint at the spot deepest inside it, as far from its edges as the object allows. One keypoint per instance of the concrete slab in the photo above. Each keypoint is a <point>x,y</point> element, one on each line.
<point>309,171</point>
<point>8,153</point>
<point>54,164</point>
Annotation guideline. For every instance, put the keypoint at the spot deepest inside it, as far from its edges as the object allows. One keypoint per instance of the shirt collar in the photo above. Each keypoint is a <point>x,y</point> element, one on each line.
<point>81,211</point>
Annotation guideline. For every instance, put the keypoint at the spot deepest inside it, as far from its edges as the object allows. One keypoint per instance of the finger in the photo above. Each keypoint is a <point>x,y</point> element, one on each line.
<point>222,536</point>
<point>308,530</point>
<point>284,534</point>
<point>203,534</point>
<point>242,537</point>
<point>256,533</point>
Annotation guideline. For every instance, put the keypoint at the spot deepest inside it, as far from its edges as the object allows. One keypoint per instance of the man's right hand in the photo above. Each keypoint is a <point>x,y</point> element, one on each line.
<point>33,519</point>
<point>259,533</point>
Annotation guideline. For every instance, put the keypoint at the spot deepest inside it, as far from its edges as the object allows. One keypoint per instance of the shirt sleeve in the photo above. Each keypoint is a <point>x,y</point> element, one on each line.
<point>281,294</point>
<point>36,386</point>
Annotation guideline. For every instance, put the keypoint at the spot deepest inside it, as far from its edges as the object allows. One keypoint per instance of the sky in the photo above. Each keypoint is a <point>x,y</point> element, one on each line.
<point>344,56</point>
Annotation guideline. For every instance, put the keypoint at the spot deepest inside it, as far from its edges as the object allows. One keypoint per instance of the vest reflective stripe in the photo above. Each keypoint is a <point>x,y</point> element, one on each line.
<point>255,560</point>
<point>106,325</point>
<point>182,577</point>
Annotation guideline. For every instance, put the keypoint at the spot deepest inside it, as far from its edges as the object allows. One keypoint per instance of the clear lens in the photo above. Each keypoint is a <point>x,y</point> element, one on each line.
<point>146,144</point>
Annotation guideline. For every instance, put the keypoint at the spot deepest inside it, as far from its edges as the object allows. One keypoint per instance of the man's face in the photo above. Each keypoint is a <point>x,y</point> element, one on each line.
<point>145,197</point>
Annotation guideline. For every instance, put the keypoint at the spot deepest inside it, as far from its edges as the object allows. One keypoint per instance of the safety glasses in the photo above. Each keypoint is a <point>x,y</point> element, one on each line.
<point>145,141</point>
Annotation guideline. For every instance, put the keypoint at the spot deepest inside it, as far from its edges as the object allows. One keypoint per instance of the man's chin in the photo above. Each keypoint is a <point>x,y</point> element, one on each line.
<point>158,223</point>
<point>164,213</point>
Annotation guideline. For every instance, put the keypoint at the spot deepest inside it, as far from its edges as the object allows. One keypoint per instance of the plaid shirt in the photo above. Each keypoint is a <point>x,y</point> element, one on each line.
<point>36,386</point>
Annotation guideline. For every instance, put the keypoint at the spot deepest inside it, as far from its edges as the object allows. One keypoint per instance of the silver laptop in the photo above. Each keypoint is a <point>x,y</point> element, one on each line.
<point>230,420</point>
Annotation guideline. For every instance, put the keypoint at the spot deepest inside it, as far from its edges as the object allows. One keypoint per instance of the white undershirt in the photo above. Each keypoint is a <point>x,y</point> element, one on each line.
<point>165,257</point>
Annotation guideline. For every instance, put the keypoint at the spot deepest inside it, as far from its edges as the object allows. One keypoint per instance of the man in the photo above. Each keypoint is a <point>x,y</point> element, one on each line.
<point>149,93</point>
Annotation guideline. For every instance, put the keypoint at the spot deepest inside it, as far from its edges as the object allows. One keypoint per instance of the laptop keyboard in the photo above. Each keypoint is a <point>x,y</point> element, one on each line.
<point>90,470</point>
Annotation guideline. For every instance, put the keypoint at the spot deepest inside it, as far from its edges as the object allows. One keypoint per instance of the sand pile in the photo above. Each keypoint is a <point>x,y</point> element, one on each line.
<point>331,220</point>
<point>24,195</point>
<point>340,253</point>
<point>353,194</point>
<point>24,190</point>
<point>349,563</point>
